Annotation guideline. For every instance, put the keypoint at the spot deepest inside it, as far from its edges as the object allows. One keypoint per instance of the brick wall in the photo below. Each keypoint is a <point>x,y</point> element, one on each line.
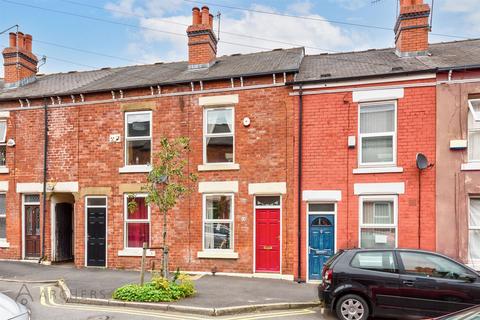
<point>79,150</point>
<point>328,163</point>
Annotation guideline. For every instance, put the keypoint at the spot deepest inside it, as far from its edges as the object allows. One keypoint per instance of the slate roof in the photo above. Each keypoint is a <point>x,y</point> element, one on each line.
<point>276,61</point>
<point>384,62</point>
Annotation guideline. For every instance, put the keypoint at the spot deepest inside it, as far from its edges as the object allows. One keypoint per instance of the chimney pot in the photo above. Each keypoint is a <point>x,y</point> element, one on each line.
<point>196,18</point>
<point>13,39</point>
<point>20,64</point>
<point>205,15</point>
<point>28,42</point>
<point>21,40</point>
<point>202,42</point>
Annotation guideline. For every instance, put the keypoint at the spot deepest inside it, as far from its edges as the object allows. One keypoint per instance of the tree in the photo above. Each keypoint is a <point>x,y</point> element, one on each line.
<point>167,183</point>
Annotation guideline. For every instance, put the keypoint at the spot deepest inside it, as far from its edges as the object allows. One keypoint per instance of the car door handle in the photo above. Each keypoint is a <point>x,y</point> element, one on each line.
<point>408,283</point>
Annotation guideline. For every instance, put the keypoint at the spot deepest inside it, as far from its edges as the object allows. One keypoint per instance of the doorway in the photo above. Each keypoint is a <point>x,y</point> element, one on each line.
<point>96,231</point>
<point>267,234</point>
<point>321,237</point>
<point>63,232</point>
<point>31,209</point>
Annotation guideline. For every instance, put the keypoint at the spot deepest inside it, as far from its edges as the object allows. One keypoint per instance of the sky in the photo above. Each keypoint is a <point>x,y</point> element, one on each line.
<point>90,34</point>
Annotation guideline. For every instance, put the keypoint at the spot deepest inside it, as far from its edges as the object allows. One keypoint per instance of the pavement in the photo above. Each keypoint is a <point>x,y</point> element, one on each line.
<point>46,301</point>
<point>228,294</point>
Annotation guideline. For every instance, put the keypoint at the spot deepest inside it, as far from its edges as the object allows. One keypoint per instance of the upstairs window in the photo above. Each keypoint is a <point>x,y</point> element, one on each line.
<point>377,132</point>
<point>218,135</point>
<point>3,144</point>
<point>138,138</point>
<point>474,130</point>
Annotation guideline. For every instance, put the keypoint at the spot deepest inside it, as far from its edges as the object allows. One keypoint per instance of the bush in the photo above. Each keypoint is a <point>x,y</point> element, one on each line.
<point>157,290</point>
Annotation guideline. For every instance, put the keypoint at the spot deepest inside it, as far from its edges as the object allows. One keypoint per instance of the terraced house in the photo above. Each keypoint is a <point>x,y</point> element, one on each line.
<point>297,156</point>
<point>76,144</point>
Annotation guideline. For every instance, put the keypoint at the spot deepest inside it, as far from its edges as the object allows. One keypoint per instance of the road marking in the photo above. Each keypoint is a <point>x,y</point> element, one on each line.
<point>272,315</point>
<point>53,304</point>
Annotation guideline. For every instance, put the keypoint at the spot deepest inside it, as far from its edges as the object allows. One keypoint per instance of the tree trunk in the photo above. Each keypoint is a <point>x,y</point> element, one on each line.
<point>165,248</point>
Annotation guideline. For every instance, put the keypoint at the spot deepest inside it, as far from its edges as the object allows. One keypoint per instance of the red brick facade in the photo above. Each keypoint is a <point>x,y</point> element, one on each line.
<point>328,163</point>
<point>79,151</point>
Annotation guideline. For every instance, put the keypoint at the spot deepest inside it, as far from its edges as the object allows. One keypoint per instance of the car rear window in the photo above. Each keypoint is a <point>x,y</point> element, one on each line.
<point>375,260</point>
<point>332,259</point>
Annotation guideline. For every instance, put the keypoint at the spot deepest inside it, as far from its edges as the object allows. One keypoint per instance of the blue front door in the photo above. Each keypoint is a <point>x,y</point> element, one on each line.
<point>321,243</point>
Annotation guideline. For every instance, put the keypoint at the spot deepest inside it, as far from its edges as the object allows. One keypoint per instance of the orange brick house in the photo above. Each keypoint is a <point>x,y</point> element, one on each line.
<point>103,128</point>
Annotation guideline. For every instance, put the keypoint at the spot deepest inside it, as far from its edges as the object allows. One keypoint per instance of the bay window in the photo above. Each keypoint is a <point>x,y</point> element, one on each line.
<point>378,222</point>
<point>137,222</point>
<point>138,138</point>
<point>218,222</point>
<point>377,134</point>
<point>474,231</point>
<point>218,135</point>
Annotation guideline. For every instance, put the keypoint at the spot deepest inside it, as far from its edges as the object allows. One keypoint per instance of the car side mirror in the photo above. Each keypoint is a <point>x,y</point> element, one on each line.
<point>468,278</point>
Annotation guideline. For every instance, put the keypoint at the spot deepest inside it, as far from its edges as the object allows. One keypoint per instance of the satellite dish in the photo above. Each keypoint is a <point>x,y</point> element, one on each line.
<point>422,161</point>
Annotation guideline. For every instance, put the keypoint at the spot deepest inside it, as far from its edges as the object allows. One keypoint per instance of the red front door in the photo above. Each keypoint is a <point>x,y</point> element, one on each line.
<point>32,231</point>
<point>267,234</point>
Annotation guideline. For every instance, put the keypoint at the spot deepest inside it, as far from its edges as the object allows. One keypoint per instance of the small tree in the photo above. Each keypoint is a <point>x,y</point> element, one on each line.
<point>167,183</point>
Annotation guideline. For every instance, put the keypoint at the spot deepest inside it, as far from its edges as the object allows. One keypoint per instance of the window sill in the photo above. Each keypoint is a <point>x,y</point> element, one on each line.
<point>219,167</point>
<point>4,244</point>
<point>4,170</point>
<point>470,166</point>
<point>378,170</point>
<point>134,252</point>
<point>135,169</point>
<point>217,254</point>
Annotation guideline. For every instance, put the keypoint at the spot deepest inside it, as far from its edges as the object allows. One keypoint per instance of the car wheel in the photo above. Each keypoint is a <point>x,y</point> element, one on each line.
<point>352,307</point>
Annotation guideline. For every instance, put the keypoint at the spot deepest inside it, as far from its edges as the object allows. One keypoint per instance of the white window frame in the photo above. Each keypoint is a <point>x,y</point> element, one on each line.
<point>213,135</point>
<point>4,143</point>
<point>361,225</point>
<point>4,216</point>
<point>128,139</point>
<point>126,220</point>
<point>393,134</point>
<point>476,118</point>
<point>231,221</point>
<point>473,262</point>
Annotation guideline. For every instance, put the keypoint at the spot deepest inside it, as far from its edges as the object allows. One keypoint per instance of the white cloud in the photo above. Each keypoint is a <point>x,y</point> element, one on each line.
<point>468,9</point>
<point>351,4</point>
<point>241,32</point>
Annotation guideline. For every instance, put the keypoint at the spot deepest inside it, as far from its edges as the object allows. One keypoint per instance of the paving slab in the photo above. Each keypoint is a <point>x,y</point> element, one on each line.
<point>212,291</point>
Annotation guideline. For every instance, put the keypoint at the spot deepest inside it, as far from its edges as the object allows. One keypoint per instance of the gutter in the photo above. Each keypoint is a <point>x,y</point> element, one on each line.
<point>383,75</point>
<point>44,198</point>
<point>299,187</point>
<point>456,68</point>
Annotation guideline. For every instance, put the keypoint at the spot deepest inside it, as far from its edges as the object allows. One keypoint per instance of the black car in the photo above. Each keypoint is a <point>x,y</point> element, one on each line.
<point>398,283</point>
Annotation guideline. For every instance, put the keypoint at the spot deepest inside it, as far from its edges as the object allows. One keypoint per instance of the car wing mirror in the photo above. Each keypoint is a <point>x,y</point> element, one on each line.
<point>468,277</point>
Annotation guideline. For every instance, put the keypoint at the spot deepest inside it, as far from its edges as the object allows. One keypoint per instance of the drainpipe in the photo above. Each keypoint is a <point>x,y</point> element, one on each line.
<point>299,190</point>
<point>45,149</point>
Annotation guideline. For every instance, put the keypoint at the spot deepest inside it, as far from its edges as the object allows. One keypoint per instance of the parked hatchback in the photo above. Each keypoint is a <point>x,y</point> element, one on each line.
<point>401,283</point>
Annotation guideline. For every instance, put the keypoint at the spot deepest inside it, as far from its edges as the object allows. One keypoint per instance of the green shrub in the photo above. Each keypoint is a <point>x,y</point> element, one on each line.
<point>157,290</point>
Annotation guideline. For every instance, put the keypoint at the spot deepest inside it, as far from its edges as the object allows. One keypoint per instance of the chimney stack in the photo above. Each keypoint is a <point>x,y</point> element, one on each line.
<point>20,64</point>
<point>202,42</point>
<point>411,29</point>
